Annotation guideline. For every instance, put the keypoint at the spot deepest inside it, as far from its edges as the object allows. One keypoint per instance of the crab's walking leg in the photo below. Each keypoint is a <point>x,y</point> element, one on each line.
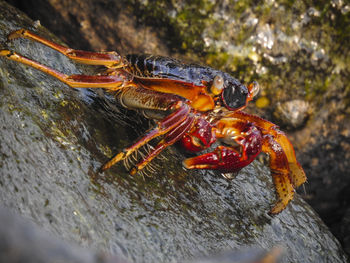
<point>164,126</point>
<point>108,59</point>
<point>110,82</point>
<point>171,137</point>
<point>280,173</point>
<point>296,172</point>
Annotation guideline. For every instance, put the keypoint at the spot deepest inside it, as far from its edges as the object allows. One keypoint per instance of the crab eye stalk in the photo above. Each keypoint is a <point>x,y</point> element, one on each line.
<point>218,85</point>
<point>254,89</point>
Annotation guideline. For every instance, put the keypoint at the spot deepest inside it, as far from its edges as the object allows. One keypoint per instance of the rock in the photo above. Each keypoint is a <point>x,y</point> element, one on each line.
<point>21,241</point>
<point>292,114</point>
<point>25,242</point>
<point>344,228</point>
<point>53,140</point>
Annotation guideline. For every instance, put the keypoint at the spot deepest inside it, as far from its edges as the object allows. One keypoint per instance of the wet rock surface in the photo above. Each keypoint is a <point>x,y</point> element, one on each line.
<point>22,241</point>
<point>25,242</point>
<point>54,139</point>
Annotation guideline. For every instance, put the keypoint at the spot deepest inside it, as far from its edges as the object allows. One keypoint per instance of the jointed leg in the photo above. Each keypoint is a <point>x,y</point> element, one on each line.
<point>171,137</point>
<point>296,172</point>
<point>163,127</point>
<point>108,59</point>
<point>110,82</point>
<point>280,172</point>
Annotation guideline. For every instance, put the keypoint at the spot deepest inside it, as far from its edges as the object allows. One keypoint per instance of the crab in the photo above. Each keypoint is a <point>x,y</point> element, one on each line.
<point>197,106</point>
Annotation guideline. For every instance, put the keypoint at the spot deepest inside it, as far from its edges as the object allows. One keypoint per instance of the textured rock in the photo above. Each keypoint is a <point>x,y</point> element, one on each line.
<point>54,138</point>
<point>23,242</point>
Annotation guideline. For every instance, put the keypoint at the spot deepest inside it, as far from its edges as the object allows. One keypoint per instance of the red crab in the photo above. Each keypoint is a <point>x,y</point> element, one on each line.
<point>191,104</point>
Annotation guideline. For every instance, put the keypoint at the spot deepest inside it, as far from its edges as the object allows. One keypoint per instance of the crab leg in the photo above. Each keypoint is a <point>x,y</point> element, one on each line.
<point>108,59</point>
<point>280,173</point>
<point>110,82</point>
<point>171,137</point>
<point>296,172</point>
<point>163,127</point>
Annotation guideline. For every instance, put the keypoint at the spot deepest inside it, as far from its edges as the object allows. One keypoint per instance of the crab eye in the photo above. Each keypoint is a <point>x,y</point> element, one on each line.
<point>235,96</point>
<point>218,85</point>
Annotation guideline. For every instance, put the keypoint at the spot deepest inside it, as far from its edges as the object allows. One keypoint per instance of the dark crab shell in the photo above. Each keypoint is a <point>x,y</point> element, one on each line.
<point>233,97</point>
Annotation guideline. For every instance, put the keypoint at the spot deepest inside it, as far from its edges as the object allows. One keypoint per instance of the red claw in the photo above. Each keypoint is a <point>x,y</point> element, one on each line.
<point>223,159</point>
<point>200,137</point>
<point>229,159</point>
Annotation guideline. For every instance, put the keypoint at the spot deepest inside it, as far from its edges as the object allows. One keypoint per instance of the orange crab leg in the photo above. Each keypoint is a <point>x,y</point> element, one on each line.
<point>171,137</point>
<point>108,59</point>
<point>110,82</point>
<point>296,172</point>
<point>163,127</point>
<point>280,173</point>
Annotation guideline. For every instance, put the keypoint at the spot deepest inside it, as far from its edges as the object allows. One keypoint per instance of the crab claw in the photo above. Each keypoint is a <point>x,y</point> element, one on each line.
<point>229,159</point>
<point>224,159</point>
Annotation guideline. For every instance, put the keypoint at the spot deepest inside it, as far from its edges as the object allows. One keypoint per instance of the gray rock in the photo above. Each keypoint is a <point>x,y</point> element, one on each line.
<point>25,242</point>
<point>54,138</point>
<point>292,114</point>
<point>21,241</point>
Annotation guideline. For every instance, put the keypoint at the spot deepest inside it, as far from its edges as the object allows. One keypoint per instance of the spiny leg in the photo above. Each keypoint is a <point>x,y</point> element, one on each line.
<point>171,137</point>
<point>114,81</point>
<point>108,59</point>
<point>163,127</point>
<point>280,173</point>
